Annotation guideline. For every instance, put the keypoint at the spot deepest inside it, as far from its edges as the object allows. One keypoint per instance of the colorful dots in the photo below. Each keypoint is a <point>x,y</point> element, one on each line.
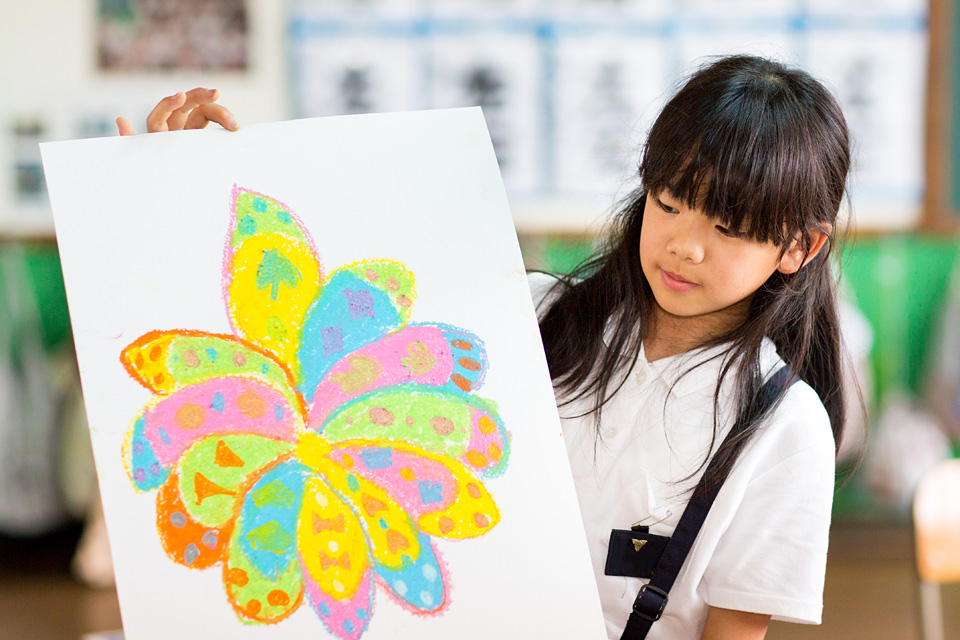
<point>347,461</point>
<point>353,483</point>
<point>361,614</point>
<point>190,554</point>
<point>270,537</point>
<point>430,492</point>
<point>481,520</point>
<point>360,304</point>
<point>239,359</point>
<point>205,488</point>
<point>371,275</point>
<point>321,499</point>
<point>338,586</point>
<point>278,412</point>
<point>247,226</point>
<point>164,436</point>
<point>393,284</point>
<point>138,448</point>
<point>474,491</point>
<point>191,359</point>
<point>138,361</point>
<point>155,469</point>
<point>278,598</point>
<point>212,354</point>
<point>446,524</point>
<point>283,216</point>
<point>463,345</point>
<point>333,546</point>
<point>225,457</point>
<point>265,369</point>
<point>210,539</point>
<point>372,505</point>
<point>190,416</point>
<point>251,405</point>
<point>276,329</point>
<point>377,458</point>
<point>333,524</point>
<point>494,452</point>
<point>426,598</point>
<point>218,403</point>
<point>381,416</point>
<point>178,519</point>
<point>237,576</point>
<point>139,475</point>
<point>348,626</point>
<point>396,541</point>
<point>253,608</point>
<point>155,353</point>
<point>407,474</point>
<point>324,609</point>
<point>469,364</point>
<point>429,572</point>
<point>486,425</point>
<point>274,494</point>
<point>404,301</point>
<point>410,421</point>
<point>159,378</point>
<point>443,426</point>
<point>462,383</point>
<point>400,587</point>
<point>259,205</point>
<point>476,459</point>
<point>383,524</point>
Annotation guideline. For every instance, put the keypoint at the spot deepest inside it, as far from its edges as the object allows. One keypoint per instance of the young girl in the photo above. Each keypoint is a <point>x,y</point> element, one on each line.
<point>716,275</point>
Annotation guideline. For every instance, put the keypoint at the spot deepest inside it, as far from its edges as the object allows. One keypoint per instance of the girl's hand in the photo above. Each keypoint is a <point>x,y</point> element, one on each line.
<point>185,110</point>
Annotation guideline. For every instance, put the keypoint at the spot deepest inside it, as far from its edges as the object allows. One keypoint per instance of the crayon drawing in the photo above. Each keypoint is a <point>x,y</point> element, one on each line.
<point>318,449</point>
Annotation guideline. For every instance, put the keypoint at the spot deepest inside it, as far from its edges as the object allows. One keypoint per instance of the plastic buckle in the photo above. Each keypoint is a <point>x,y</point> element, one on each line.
<point>650,608</point>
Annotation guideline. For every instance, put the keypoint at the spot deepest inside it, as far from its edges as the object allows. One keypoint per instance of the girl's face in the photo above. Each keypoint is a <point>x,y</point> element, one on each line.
<point>702,274</point>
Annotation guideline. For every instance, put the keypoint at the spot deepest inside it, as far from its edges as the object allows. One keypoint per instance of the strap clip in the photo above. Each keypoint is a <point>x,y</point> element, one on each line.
<point>650,603</point>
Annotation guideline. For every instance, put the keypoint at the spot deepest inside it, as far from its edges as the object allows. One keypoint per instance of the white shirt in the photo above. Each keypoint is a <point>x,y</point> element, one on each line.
<point>763,545</point>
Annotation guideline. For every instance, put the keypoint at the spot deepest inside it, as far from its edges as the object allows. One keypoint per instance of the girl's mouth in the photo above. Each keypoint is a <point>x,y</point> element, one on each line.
<point>675,282</point>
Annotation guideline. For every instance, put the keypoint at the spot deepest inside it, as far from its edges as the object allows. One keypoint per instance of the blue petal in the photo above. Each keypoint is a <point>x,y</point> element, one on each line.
<point>419,583</point>
<point>348,315</point>
<point>268,518</point>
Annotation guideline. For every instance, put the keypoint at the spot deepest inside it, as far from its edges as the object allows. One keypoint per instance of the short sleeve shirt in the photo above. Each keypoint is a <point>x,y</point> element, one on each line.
<point>763,545</point>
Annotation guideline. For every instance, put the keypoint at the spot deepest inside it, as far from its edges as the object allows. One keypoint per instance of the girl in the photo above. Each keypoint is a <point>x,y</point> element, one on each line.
<point>716,274</point>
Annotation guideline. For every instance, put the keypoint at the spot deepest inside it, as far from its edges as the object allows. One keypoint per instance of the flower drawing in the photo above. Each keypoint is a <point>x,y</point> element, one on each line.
<point>319,449</point>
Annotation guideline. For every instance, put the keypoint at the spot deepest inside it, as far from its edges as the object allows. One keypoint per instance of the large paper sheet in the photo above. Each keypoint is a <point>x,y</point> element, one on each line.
<point>372,457</point>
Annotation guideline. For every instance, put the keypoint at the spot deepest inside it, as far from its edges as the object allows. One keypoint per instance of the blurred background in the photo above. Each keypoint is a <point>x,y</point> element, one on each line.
<point>568,89</point>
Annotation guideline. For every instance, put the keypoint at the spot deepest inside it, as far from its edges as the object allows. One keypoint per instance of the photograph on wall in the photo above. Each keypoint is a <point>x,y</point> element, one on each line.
<point>317,395</point>
<point>172,35</point>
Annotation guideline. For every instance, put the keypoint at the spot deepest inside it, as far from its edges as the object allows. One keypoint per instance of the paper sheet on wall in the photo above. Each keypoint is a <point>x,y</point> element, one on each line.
<point>315,386</point>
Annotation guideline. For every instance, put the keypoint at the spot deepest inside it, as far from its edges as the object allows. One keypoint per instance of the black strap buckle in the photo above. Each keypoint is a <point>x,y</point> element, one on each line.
<point>650,603</point>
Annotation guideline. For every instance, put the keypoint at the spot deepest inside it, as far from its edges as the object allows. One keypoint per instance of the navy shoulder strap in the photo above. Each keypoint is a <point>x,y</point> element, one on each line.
<point>652,599</point>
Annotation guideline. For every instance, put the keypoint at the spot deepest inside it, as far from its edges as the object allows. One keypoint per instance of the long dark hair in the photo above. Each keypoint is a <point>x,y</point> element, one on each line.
<point>762,148</point>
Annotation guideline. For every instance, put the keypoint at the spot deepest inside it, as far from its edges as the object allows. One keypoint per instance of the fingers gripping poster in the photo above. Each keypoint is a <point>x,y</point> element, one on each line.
<point>315,386</point>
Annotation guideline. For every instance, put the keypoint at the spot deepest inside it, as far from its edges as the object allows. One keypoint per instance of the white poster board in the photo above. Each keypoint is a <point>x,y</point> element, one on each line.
<point>195,258</point>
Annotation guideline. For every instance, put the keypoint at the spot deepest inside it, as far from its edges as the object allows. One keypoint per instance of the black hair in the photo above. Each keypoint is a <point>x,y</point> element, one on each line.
<point>763,148</point>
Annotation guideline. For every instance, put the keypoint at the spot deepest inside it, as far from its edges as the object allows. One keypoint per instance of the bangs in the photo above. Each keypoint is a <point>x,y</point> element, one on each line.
<point>743,155</point>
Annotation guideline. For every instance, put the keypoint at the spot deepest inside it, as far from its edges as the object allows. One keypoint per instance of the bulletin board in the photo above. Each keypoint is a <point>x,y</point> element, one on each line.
<point>570,87</point>
<point>78,64</point>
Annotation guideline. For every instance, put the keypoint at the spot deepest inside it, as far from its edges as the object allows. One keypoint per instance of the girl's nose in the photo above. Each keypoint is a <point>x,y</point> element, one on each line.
<point>686,244</point>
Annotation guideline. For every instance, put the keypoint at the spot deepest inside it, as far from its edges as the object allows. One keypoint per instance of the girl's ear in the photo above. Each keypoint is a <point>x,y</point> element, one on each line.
<point>793,258</point>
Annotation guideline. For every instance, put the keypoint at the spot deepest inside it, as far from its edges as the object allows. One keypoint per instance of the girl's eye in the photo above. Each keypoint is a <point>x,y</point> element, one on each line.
<point>729,232</point>
<point>666,207</point>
